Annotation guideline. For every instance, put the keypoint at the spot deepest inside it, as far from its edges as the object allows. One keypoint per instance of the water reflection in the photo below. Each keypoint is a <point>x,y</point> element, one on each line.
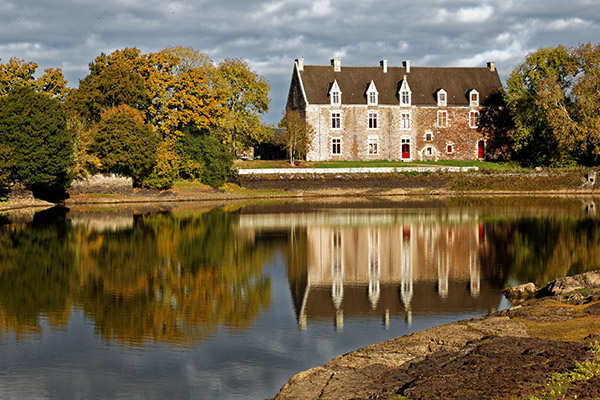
<point>176,277</point>
<point>155,277</point>
<point>386,264</point>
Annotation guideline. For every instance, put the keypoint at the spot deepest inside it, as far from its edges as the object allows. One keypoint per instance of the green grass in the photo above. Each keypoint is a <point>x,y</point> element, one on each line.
<point>401,164</point>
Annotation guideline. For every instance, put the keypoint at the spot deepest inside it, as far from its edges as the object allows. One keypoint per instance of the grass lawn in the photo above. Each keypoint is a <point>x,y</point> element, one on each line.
<point>259,164</point>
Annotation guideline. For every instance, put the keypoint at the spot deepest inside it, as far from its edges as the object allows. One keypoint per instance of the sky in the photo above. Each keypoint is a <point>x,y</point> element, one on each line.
<point>270,35</point>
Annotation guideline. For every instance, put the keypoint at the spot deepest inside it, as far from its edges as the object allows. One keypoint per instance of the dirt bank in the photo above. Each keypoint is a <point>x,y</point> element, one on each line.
<point>543,347</point>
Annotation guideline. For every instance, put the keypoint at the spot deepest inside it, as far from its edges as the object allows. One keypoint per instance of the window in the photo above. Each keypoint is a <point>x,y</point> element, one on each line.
<point>373,145</point>
<point>442,119</point>
<point>405,93</point>
<point>428,137</point>
<point>449,148</point>
<point>372,120</point>
<point>372,94</point>
<point>335,94</point>
<point>335,98</point>
<point>474,98</point>
<point>405,120</point>
<point>442,98</point>
<point>336,120</point>
<point>473,119</point>
<point>336,146</point>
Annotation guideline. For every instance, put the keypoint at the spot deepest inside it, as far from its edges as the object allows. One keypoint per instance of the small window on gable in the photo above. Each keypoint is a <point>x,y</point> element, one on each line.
<point>405,94</point>
<point>335,94</point>
<point>372,95</point>
<point>474,98</point>
<point>442,98</point>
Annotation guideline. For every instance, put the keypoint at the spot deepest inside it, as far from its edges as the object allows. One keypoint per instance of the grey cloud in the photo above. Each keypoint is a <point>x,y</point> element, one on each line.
<point>271,34</point>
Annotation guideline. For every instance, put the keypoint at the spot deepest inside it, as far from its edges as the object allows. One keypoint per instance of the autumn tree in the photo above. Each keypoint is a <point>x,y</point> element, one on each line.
<point>33,131</point>
<point>125,144</point>
<point>20,73</point>
<point>297,135</point>
<point>248,99</point>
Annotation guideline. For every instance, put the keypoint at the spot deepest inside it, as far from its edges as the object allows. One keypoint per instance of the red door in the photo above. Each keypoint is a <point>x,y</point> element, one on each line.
<point>481,149</point>
<point>405,150</point>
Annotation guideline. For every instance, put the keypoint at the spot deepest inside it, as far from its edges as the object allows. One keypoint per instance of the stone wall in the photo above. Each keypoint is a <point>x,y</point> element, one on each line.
<point>427,141</point>
<point>101,183</point>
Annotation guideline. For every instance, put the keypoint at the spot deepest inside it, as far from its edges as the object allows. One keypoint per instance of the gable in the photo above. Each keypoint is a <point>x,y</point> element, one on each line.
<point>424,83</point>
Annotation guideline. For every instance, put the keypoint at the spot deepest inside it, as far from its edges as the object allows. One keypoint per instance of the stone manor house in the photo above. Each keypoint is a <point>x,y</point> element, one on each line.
<point>395,113</point>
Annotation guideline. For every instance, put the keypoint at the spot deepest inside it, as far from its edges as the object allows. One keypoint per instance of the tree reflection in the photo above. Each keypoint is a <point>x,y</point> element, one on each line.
<point>168,278</point>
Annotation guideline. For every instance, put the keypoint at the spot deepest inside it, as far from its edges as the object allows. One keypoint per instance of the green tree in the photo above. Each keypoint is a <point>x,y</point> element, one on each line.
<point>213,157</point>
<point>33,128</point>
<point>125,144</point>
<point>536,99</point>
<point>248,99</point>
<point>297,135</point>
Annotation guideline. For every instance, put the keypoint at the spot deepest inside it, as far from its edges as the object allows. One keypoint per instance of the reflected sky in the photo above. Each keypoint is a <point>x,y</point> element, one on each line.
<point>230,302</point>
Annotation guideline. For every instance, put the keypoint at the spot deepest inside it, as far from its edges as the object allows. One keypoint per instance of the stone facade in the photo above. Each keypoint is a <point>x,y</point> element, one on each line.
<point>388,130</point>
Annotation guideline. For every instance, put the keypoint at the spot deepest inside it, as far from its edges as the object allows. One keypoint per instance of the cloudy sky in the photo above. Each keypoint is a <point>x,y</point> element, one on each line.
<point>68,34</point>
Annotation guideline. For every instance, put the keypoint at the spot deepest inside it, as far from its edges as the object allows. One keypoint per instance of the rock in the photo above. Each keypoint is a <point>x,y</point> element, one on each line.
<point>521,292</point>
<point>571,283</point>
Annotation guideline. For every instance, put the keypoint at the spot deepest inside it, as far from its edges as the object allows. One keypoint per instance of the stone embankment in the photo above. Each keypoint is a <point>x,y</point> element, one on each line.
<point>506,354</point>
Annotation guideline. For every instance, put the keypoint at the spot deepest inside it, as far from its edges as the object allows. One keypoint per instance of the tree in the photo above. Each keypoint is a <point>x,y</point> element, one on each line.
<point>536,98</point>
<point>125,144</point>
<point>33,127</point>
<point>20,73</point>
<point>247,101</point>
<point>212,156</point>
<point>113,85</point>
<point>297,134</point>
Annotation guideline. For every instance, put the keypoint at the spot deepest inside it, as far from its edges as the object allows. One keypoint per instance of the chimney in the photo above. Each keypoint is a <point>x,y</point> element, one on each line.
<point>300,64</point>
<point>383,64</point>
<point>492,66</point>
<point>406,65</point>
<point>337,64</point>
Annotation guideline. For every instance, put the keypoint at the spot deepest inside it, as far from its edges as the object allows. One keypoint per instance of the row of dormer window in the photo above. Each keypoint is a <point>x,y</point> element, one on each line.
<point>404,95</point>
<point>405,119</point>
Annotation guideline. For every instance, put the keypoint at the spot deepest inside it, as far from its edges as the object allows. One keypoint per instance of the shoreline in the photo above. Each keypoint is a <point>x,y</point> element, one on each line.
<point>499,355</point>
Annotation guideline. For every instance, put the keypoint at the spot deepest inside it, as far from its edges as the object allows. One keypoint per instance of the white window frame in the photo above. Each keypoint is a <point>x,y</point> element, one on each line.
<point>373,145</point>
<point>442,116</point>
<point>473,119</point>
<point>405,94</point>
<point>442,98</point>
<point>430,134</point>
<point>372,120</point>
<point>405,120</point>
<point>339,144</point>
<point>474,98</point>
<point>336,116</point>
<point>335,94</point>
<point>372,95</point>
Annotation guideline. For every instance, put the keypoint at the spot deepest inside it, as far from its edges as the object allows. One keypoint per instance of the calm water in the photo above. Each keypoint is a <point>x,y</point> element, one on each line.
<point>228,303</point>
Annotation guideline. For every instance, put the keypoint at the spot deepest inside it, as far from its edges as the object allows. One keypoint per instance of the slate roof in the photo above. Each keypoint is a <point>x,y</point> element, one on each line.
<point>424,82</point>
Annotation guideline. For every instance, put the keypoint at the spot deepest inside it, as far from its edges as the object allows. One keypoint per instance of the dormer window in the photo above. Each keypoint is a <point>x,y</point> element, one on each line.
<point>372,95</point>
<point>405,94</point>
<point>474,98</point>
<point>335,94</point>
<point>442,98</point>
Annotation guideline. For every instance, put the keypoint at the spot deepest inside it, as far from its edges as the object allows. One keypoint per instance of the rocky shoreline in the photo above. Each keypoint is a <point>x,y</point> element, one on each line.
<point>545,343</point>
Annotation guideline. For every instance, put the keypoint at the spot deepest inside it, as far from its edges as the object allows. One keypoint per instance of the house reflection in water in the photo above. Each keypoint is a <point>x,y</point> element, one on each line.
<point>393,270</point>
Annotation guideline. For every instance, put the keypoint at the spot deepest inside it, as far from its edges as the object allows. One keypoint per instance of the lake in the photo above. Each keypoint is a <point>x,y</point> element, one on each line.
<point>228,301</point>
